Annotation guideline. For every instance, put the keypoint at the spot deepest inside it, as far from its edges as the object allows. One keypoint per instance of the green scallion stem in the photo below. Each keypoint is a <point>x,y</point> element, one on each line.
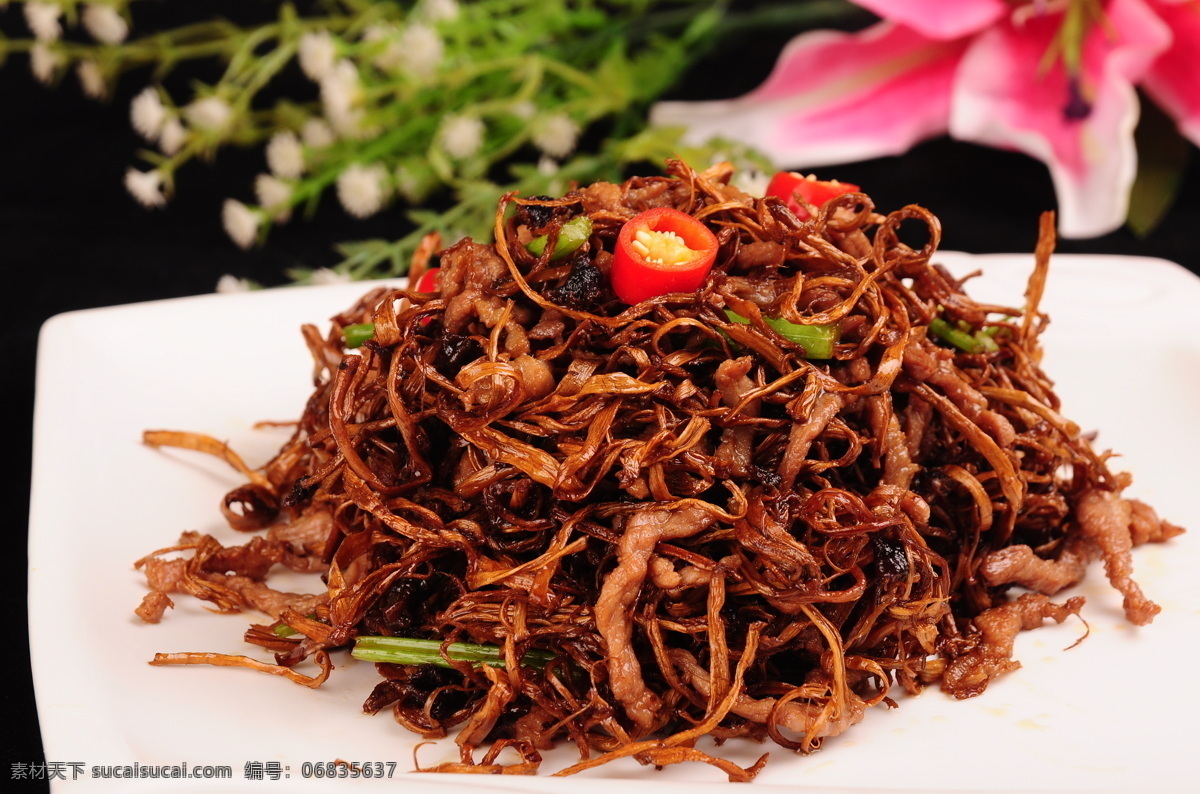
<point>986,337</point>
<point>955,336</point>
<point>405,650</point>
<point>571,236</point>
<point>818,340</point>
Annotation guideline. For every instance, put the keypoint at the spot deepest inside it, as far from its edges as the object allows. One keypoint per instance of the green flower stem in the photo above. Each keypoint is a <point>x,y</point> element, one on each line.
<point>378,258</point>
<point>500,60</point>
<point>267,68</point>
<point>310,189</point>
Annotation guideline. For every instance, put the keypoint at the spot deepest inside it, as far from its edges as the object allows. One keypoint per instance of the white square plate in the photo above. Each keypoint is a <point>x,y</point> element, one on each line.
<point>1110,714</point>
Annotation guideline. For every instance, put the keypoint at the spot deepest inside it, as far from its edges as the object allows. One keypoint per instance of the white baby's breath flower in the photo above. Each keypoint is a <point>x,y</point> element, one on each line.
<point>362,189</point>
<point>548,166</point>
<point>241,222</point>
<point>420,50</point>
<point>438,10</point>
<point>285,155</point>
<point>147,113</point>
<point>461,136</point>
<point>146,187</point>
<point>210,113</point>
<point>91,79</point>
<point>523,109</point>
<point>273,194</point>
<point>43,61</point>
<point>390,56</point>
<point>229,284</point>
<point>42,19</point>
<point>323,276</point>
<point>751,181</point>
<point>556,134</point>
<point>105,23</point>
<point>173,136</point>
<point>317,133</point>
<point>408,185</point>
<point>342,98</point>
<point>317,53</point>
<point>340,87</point>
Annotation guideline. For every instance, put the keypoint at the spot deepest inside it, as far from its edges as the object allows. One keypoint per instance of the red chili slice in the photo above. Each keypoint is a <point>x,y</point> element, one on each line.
<point>660,251</point>
<point>788,184</point>
<point>428,282</point>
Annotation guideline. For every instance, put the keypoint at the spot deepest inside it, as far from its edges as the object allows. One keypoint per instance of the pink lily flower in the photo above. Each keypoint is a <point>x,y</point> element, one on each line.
<point>1052,78</point>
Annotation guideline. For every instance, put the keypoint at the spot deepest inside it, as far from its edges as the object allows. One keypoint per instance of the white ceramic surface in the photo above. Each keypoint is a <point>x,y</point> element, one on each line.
<point>1109,715</point>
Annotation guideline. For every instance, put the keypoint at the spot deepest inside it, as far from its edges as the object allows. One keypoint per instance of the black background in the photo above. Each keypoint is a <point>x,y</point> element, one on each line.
<point>71,238</point>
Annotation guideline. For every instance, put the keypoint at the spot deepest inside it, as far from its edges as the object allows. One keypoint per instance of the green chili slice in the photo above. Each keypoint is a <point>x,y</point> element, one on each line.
<point>571,236</point>
<point>818,340</point>
<point>358,333</point>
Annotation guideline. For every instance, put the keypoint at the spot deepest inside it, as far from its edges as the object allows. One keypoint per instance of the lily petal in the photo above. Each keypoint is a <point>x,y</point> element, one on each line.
<point>833,98</point>
<point>1174,79</point>
<point>1002,98</point>
<point>938,19</point>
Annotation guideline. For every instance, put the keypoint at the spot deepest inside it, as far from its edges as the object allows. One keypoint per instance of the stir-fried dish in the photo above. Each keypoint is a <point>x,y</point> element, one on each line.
<point>667,461</point>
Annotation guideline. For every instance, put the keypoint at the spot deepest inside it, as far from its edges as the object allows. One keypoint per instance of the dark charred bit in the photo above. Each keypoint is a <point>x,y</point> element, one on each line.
<point>301,491</point>
<point>540,217</point>
<point>535,216</point>
<point>455,351</point>
<point>766,476</point>
<point>584,287</point>
<point>891,559</point>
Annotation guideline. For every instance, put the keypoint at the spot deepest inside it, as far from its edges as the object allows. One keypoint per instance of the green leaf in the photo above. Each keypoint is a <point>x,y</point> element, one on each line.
<point>1162,159</point>
<point>653,144</point>
<point>614,73</point>
<point>704,28</point>
<point>424,217</point>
